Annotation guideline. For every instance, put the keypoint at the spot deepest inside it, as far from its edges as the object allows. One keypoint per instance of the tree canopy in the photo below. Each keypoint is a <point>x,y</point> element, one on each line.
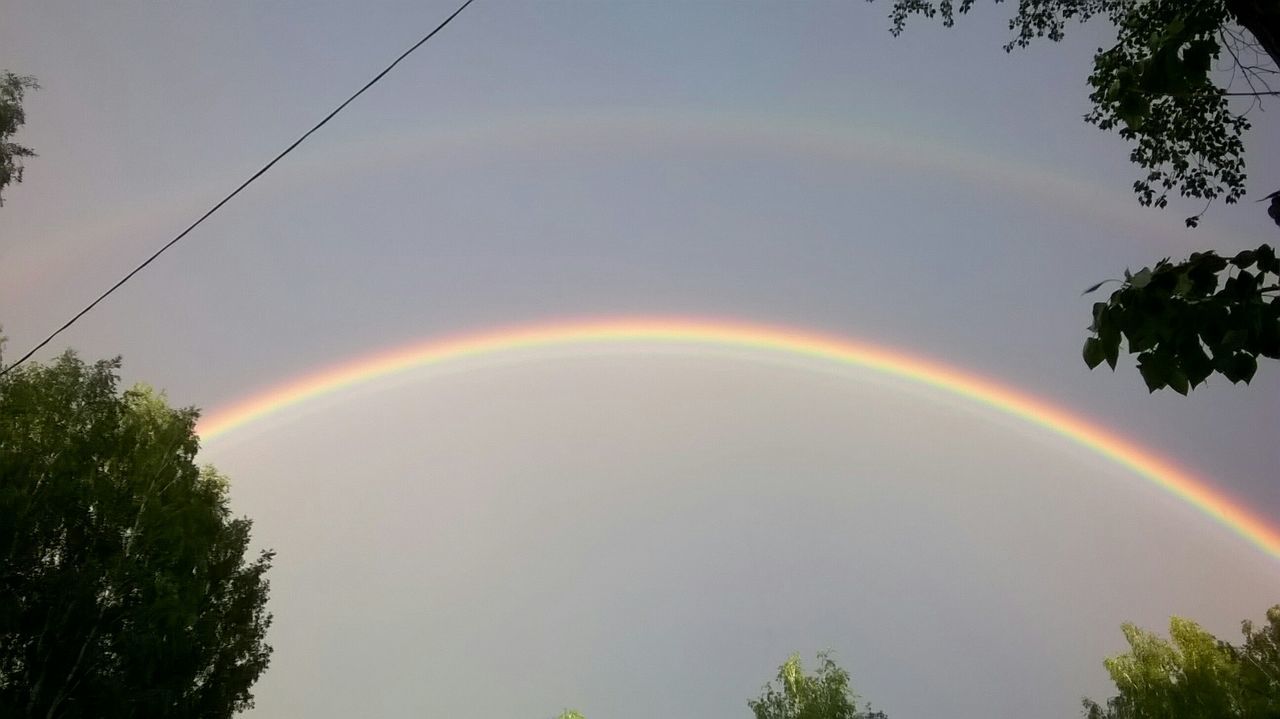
<point>1179,84</point>
<point>126,588</point>
<point>12,90</point>
<point>1156,85</point>
<point>1193,675</point>
<point>824,694</point>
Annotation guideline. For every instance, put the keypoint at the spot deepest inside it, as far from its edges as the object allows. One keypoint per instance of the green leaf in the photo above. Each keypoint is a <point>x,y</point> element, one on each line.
<point>1099,316</point>
<point>1094,288</point>
<point>1106,319</point>
<point>1111,347</point>
<point>1212,262</point>
<point>1243,367</point>
<point>1196,365</point>
<point>1094,353</point>
<point>1154,372</point>
<point>1244,259</point>
<point>1266,257</point>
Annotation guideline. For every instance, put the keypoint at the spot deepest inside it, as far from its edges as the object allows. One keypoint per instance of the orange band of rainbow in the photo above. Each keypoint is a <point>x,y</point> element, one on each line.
<point>787,342</point>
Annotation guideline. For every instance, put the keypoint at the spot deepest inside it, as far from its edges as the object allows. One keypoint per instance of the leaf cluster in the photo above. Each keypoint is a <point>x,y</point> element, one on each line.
<point>1187,320</point>
<point>126,585</point>
<point>1258,662</point>
<point>1193,675</point>
<point>1154,86</point>
<point>12,90</point>
<point>1035,18</point>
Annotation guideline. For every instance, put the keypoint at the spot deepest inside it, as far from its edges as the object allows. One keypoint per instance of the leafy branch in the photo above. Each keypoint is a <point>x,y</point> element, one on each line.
<point>1187,320</point>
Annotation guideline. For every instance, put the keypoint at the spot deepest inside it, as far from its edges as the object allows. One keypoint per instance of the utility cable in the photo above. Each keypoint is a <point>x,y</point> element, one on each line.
<point>235,192</point>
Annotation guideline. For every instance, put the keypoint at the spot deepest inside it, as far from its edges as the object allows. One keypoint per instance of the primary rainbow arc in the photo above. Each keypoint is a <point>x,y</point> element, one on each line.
<point>896,363</point>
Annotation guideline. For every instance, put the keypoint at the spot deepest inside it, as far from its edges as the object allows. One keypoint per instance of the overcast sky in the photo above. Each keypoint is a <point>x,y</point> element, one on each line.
<point>640,533</point>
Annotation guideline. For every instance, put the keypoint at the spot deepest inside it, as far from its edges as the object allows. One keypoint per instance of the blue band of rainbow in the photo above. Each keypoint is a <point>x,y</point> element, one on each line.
<point>756,338</point>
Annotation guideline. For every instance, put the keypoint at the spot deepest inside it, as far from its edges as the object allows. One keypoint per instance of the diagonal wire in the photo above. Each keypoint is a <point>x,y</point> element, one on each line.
<point>235,192</point>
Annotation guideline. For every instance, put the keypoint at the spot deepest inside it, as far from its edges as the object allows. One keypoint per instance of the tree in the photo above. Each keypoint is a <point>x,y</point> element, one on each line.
<point>1194,675</point>
<point>1179,84</point>
<point>12,89</point>
<point>124,584</point>
<point>824,695</point>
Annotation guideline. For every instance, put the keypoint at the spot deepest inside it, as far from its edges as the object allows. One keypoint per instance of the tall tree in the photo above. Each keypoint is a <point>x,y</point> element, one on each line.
<point>1179,84</point>
<point>823,695</point>
<point>1193,675</point>
<point>126,585</point>
<point>12,90</point>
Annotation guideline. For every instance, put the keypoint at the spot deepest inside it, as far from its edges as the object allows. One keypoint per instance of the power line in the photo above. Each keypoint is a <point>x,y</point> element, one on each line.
<point>235,192</point>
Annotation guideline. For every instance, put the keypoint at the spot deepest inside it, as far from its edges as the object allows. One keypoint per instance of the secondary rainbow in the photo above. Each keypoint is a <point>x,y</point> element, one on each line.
<point>768,340</point>
<point>627,132</point>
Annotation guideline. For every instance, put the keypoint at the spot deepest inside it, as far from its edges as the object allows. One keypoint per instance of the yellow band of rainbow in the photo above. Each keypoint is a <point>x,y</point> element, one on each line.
<point>776,340</point>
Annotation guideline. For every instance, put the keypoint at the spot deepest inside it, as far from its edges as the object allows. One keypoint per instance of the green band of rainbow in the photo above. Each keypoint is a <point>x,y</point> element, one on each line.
<point>789,342</point>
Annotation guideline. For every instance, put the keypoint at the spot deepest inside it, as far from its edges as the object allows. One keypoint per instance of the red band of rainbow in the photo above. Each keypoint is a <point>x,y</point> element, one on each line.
<point>787,342</point>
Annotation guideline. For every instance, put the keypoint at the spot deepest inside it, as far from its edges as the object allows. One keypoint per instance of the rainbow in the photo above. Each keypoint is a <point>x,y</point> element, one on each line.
<point>628,131</point>
<point>776,341</point>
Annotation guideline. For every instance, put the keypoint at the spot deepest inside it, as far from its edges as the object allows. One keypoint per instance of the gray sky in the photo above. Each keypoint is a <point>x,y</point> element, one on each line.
<point>640,534</point>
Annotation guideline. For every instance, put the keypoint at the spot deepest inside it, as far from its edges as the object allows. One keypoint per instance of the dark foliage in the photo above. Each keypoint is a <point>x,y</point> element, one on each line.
<point>124,585</point>
<point>1190,319</point>
<point>12,89</point>
<point>1166,86</point>
<point>1155,85</point>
